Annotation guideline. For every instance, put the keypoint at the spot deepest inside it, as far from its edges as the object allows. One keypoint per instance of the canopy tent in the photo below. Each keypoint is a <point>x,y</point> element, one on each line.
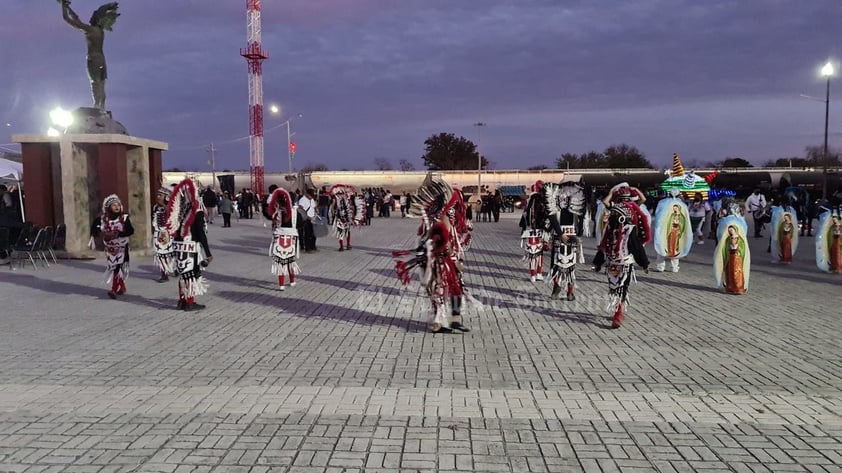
<point>12,172</point>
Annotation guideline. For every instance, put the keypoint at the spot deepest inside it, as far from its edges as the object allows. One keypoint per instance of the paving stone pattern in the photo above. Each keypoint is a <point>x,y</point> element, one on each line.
<point>339,374</point>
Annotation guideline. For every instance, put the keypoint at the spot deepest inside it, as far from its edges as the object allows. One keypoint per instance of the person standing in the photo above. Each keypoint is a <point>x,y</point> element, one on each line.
<point>535,231</point>
<point>307,207</point>
<point>403,205</point>
<point>698,211</point>
<point>496,205</point>
<point>161,241</point>
<point>370,200</point>
<point>324,203</point>
<point>226,208</point>
<point>284,247</point>
<point>115,228</point>
<point>186,225</point>
<point>209,200</point>
<point>756,206</point>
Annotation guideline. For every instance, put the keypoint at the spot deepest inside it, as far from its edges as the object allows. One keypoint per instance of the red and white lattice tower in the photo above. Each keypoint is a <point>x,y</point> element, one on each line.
<point>255,55</point>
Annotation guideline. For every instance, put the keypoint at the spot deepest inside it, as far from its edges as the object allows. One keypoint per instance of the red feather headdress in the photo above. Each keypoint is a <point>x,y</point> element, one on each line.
<point>280,198</point>
<point>182,208</point>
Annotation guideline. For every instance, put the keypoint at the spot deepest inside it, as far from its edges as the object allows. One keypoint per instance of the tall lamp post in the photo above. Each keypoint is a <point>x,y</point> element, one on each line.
<point>479,126</point>
<point>276,110</point>
<point>827,71</point>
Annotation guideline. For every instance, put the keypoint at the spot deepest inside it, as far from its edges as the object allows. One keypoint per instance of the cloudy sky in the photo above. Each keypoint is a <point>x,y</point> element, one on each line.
<point>374,78</point>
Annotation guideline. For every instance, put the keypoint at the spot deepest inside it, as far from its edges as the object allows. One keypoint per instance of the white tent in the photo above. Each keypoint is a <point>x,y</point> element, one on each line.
<point>11,171</point>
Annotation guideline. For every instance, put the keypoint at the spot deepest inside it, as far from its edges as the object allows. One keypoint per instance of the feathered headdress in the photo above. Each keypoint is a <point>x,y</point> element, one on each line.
<point>280,199</point>
<point>567,196</point>
<point>341,189</point>
<point>457,211</point>
<point>182,208</point>
<point>431,199</point>
<point>105,16</point>
<point>164,192</point>
<point>111,199</point>
<point>623,192</point>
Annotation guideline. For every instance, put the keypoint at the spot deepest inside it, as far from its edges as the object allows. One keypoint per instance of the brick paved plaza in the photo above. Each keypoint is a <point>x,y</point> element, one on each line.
<point>339,374</point>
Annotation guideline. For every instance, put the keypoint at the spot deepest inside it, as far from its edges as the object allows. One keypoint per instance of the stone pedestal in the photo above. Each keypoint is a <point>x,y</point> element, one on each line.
<point>67,177</point>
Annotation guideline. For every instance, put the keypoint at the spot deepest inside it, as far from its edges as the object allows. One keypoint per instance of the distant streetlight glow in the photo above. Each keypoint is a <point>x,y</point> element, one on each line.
<point>53,132</point>
<point>827,70</point>
<point>274,109</point>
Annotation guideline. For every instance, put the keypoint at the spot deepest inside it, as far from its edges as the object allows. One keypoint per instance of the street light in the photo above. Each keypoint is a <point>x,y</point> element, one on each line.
<point>827,71</point>
<point>61,118</point>
<point>479,126</point>
<point>276,110</point>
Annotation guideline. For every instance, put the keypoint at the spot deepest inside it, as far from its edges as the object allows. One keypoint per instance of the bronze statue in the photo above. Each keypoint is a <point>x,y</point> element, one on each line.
<point>101,21</point>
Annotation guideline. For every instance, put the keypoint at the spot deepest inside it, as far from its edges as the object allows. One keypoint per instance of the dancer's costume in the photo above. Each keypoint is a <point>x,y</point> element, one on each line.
<point>535,232</point>
<point>623,192</point>
<point>443,230</point>
<point>161,240</point>
<point>732,259</point>
<point>565,204</point>
<point>115,230</point>
<point>346,211</point>
<point>784,229</point>
<point>284,247</point>
<point>672,233</point>
<point>829,241</point>
<point>186,225</point>
<point>620,248</point>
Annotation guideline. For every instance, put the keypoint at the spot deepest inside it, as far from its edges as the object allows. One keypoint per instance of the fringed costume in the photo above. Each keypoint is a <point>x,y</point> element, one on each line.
<point>186,226</point>
<point>347,210</point>
<point>672,233</point>
<point>161,240</point>
<point>784,229</point>
<point>535,232</point>
<point>829,241</point>
<point>443,230</point>
<point>732,259</point>
<point>620,248</point>
<point>284,247</point>
<point>565,204</point>
<point>115,228</point>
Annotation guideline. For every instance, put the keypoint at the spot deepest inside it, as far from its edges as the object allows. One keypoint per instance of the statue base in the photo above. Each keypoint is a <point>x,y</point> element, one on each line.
<point>93,121</point>
<point>66,178</point>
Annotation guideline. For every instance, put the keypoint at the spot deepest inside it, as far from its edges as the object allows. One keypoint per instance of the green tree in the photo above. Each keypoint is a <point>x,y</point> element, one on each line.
<point>624,156</point>
<point>447,152</point>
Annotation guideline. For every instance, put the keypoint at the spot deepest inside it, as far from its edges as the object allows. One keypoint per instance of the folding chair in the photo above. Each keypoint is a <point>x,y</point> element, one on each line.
<point>30,249</point>
<point>59,240</point>
<point>44,245</point>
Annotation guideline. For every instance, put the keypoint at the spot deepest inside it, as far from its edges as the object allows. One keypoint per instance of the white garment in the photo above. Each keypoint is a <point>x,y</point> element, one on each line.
<point>755,202</point>
<point>307,205</point>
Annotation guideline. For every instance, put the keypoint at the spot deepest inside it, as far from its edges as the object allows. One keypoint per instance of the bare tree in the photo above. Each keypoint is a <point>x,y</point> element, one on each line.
<point>382,164</point>
<point>405,165</point>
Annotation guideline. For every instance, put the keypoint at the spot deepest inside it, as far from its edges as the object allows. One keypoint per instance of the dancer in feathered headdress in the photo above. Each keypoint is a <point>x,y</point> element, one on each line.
<point>284,249</point>
<point>439,252</point>
<point>829,241</point>
<point>535,232</point>
<point>620,248</point>
<point>161,240</point>
<point>565,204</point>
<point>634,200</point>
<point>186,226</point>
<point>673,234</point>
<point>346,211</point>
<point>115,228</point>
